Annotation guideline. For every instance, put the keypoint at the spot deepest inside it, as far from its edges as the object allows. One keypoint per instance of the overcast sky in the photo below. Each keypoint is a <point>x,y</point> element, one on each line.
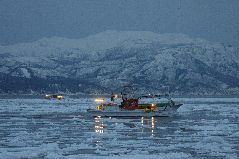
<point>30,20</point>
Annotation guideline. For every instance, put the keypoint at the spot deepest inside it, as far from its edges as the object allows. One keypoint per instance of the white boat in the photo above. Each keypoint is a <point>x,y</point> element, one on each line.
<point>131,107</point>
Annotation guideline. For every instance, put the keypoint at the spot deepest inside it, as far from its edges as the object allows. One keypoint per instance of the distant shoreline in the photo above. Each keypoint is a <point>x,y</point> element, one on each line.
<point>41,96</point>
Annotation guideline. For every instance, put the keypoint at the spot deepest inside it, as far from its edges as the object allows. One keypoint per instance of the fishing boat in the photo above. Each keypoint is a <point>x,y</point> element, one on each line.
<point>54,96</point>
<point>136,106</point>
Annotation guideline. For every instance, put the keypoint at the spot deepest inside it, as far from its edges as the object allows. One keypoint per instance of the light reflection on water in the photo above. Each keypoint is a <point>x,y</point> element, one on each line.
<point>99,125</point>
<point>146,123</point>
<point>152,123</point>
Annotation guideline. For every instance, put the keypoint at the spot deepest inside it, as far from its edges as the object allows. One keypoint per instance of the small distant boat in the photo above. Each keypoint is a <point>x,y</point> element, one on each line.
<point>54,96</point>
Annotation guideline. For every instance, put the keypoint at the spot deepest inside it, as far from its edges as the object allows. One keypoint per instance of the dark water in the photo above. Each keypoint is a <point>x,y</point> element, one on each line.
<point>37,128</point>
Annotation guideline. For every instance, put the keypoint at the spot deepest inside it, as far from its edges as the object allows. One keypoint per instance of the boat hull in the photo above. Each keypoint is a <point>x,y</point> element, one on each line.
<point>170,111</point>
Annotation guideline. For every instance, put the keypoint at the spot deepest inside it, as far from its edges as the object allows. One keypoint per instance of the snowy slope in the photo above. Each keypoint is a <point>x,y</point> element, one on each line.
<point>108,60</point>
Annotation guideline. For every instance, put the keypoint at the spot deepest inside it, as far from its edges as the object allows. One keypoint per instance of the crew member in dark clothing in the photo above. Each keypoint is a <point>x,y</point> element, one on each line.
<point>112,98</point>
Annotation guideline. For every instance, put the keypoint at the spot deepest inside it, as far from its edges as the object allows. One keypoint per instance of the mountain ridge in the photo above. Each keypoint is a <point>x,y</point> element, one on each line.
<point>108,60</point>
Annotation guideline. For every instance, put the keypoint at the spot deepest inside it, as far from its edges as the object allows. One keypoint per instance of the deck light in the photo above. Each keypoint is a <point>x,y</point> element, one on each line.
<point>99,100</point>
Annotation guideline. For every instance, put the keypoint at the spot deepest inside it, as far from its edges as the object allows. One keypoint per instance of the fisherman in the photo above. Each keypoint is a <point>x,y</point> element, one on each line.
<point>123,95</point>
<point>112,98</point>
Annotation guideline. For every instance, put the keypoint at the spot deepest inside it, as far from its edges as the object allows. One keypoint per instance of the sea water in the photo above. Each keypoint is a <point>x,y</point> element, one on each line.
<point>40,128</point>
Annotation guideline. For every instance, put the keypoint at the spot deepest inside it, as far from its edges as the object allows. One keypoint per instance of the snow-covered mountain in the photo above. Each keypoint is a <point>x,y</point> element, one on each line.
<point>106,61</point>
